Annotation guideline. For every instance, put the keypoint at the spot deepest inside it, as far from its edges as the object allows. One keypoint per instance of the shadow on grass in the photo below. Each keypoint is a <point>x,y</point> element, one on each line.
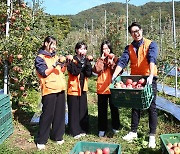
<point>23,115</point>
<point>150,151</point>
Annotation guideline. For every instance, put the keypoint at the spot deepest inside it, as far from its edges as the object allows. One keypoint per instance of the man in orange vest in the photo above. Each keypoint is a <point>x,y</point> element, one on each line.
<point>142,54</point>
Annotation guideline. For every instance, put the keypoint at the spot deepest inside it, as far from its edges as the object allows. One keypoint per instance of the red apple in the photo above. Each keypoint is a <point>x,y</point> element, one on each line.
<point>17,11</point>
<point>123,85</point>
<point>176,150</point>
<point>171,151</point>
<point>87,152</point>
<point>13,18</point>
<point>27,28</point>
<point>81,152</point>
<point>22,88</point>
<point>99,151</point>
<point>134,84</point>
<point>129,86</point>
<point>19,56</point>
<point>93,153</point>
<point>23,5</point>
<point>139,86</point>
<point>169,145</point>
<point>178,69</point>
<point>129,81</point>
<point>142,81</point>
<point>106,150</point>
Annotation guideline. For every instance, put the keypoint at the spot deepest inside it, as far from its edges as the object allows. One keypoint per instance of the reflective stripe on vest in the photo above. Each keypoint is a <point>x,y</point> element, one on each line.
<point>139,65</point>
<point>55,82</point>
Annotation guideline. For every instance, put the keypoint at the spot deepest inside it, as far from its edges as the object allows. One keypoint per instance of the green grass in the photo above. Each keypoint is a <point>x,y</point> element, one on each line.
<point>22,140</point>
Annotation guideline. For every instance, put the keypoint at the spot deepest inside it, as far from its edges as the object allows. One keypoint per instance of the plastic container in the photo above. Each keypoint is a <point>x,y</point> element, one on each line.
<point>168,138</point>
<point>92,146</point>
<point>131,98</point>
<point>6,124</point>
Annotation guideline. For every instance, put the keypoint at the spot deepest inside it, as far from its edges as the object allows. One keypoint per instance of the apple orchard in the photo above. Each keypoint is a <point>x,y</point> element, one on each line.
<point>27,30</point>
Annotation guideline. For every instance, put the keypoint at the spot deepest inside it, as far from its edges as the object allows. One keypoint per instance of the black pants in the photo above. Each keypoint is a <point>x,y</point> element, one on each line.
<point>103,113</point>
<point>78,119</point>
<point>53,114</point>
<point>152,114</point>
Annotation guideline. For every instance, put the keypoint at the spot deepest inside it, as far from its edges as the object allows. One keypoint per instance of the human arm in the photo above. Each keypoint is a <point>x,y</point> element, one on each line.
<point>88,68</point>
<point>74,67</point>
<point>152,59</point>
<point>122,63</point>
<point>42,68</point>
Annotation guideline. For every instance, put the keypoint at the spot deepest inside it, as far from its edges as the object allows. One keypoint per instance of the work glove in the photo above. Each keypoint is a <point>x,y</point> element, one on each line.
<point>150,79</point>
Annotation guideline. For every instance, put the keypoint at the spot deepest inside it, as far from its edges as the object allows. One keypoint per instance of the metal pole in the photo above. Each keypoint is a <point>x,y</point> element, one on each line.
<point>127,21</point>
<point>6,62</point>
<point>105,23</point>
<point>174,42</point>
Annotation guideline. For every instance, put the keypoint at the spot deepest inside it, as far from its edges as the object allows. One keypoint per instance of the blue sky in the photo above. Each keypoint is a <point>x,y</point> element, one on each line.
<point>67,7</point>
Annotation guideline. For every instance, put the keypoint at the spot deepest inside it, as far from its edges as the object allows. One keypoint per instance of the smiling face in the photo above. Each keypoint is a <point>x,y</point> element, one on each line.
<point>51,46</point>
<point>136,33</point>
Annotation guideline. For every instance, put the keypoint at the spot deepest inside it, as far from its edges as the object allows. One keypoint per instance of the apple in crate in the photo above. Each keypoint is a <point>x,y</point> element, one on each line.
<point>129,86</point>
<point>129,81</point>
<point>134,84</point>
<point>142,81</point>
<point>176,150</point>
<point>106,150</point>
<point>99,151</point>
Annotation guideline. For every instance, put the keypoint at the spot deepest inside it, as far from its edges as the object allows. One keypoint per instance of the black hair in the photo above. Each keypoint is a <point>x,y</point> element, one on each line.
<point>108,44</point>
<point>79,45</point>
<point>132,25</point>
<point>48,39</point>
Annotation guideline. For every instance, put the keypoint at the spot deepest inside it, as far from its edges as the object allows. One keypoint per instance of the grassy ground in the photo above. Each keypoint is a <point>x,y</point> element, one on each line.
<point>22,140</point>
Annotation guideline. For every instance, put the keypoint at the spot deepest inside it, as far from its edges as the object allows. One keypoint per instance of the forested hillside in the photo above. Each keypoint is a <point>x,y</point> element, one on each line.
<point>115,10</point>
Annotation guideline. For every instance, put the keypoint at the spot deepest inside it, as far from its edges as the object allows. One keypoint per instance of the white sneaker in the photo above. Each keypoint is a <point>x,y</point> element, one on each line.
<point>60,142</point>
<point>152,141</point>
<point>130,136</point>
<point>41,146</point>
<point>115,131</point>
<point>83,134</point>
<point>101,133</point>
<point>77,136</point>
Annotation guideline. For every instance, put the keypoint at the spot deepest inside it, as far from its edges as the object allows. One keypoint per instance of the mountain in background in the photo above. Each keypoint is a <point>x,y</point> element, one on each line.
<point>144,14</point>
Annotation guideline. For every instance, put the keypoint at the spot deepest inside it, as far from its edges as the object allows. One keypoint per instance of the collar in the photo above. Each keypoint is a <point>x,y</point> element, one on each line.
<point>138,44</point>
<point>44,52</point>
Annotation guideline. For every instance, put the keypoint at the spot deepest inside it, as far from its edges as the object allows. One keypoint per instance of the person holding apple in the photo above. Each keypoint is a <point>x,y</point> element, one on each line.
<point>79,69</point>
<point>52,82</point>
<point>142,53</point>
<point>104,67</point>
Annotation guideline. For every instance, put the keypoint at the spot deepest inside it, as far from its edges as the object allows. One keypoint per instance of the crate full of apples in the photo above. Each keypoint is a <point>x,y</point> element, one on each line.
<point>96,148</point>
<point>131,92</point>
<point>170,143</point>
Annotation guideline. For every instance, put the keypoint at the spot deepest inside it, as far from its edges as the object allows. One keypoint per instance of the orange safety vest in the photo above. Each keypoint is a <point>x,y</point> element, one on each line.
<point>74,87</point>
<point>139,65</point>
<point>103,82</point>
<point>55,82</point>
